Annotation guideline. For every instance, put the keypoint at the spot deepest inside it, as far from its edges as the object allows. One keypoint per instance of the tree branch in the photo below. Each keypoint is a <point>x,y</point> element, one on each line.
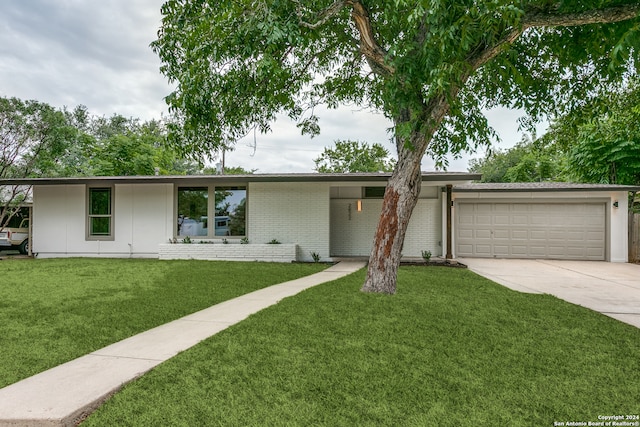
<point>323,16</point>
<point>552,19</point>
<point>599,16</point>
<point>373,52</point>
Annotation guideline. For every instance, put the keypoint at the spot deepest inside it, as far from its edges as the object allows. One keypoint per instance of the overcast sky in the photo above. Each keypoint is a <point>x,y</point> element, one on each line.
<point>96,53</point>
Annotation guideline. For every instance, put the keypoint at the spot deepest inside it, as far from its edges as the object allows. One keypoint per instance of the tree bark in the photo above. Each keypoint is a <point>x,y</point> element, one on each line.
<point>400,198</point>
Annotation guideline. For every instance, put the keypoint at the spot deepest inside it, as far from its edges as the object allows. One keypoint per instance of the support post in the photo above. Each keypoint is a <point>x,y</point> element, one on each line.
<point>449,254</point>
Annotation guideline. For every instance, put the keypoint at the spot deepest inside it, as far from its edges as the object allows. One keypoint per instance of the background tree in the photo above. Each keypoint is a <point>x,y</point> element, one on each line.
<point>528,161</point>
<point>229,170</point>
<point>354,156</point>
<point>601,140</point>
<point>124,147</point>
<point>431,66</point>
<point>32,136</point>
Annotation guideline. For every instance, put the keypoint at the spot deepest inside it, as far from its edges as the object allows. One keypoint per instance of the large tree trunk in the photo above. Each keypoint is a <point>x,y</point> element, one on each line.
<point>400,198</point>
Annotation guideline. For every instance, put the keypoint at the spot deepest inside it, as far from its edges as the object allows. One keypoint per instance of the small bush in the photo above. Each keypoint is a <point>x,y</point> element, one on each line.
<point>426,255</point>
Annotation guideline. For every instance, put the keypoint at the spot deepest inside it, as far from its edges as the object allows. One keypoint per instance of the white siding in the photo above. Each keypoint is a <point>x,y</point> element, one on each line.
<point>58,219</point>
<point>142,220</point>
<point>352,232</point>
<point>290,213</point>
<point>618,228</point>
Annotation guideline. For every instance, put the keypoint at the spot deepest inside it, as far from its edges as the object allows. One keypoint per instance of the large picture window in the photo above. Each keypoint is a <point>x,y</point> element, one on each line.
<point>210,212</point>
<point>192,211</point>
<point>230,211</point>
<point>100,213</point>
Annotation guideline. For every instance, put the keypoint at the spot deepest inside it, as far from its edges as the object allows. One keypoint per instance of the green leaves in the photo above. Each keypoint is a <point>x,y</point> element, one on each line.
<point>354,156</point>
<point>238,64</point>
<point>599,143</point>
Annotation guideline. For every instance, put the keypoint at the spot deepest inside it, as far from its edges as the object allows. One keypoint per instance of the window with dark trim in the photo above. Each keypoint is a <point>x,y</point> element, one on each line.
<point>231,211</point>
<point>373,192</point>
<point>100,213</point>
<point>226,205</point>
<point>193,205</point>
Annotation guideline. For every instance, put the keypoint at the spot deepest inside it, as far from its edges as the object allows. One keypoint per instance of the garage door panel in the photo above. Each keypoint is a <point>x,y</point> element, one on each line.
<point>519,220</point>
<point>531,230</point>
<point>556,251</point>
<point>592,221</point>
<point>483,234</point>
<point>501,234</point>
<point>483,220</point>
<point>519,234</point>
<point>519,250</point>
<point>578,252</point>
<point>595,253</point>
<point>465,250</point>
<point>466,234</point>
<point>501,250</point>
<point>482,249</point>
<point>576,236</point>
<point>594,238</point>
<point>538,235</point>
<point>559,234</point>
<point>466,219</point>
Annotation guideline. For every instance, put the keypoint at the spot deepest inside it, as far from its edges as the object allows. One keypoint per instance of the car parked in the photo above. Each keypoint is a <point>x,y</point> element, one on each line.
<point>15,237</point>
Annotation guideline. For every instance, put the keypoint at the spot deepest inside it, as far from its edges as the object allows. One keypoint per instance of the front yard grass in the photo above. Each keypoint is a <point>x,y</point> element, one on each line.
<point>55,310</point>
<point>450,349</point>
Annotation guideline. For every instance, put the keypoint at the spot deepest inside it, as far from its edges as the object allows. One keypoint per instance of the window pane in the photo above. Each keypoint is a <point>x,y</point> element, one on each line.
<point>374,192</point>
<point>192,211</point>
<point>99,201</point>
<point>100,226</point>
<point>231,211</point>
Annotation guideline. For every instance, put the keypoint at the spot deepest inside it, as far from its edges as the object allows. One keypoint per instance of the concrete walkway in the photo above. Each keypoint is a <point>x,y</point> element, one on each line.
<point>612,289</point>
<point>64,395</point>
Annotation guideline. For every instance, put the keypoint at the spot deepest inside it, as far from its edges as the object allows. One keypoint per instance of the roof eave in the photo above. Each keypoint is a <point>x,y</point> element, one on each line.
<point>293,177</point>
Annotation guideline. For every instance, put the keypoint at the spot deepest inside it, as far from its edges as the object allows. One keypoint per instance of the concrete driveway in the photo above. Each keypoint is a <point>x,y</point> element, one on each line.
<point>612,289</point>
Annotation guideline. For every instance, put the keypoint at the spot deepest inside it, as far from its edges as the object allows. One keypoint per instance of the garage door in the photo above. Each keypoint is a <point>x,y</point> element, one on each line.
<point>530,230</point>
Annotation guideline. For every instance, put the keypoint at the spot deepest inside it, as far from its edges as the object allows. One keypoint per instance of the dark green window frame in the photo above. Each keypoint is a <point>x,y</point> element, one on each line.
<point>373,192</point>
<point>100,213</point>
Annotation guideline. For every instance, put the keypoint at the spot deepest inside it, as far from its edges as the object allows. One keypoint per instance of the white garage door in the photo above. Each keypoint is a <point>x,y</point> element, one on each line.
<point>531,230</point>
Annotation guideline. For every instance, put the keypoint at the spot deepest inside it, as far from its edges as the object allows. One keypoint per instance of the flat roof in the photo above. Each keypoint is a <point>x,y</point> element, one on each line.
<point>540,186</point>
<point>194,179</point>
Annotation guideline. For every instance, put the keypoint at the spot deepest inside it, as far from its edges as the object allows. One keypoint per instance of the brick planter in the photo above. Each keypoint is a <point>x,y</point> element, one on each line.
<point>285,252</point>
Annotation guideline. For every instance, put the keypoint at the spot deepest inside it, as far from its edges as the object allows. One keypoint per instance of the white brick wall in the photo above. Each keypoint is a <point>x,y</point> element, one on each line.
<point>229,252</point>
<point>291,213</point>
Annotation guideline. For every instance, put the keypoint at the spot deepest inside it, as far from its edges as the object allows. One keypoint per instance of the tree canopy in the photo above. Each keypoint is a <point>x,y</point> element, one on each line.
<point>431,66</point>
<point>601,140</point>
<point>38,140</point>
<point>530,160</point>
<point>597,143</point>
<point>354,156</point>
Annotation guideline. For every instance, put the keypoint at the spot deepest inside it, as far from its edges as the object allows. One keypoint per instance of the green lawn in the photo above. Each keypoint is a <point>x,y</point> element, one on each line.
<point>450,349</point>
<point>55,310</point>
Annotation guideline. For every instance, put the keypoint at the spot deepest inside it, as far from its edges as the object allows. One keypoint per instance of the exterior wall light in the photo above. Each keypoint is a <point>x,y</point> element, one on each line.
<point>359,205</point>
<point>615,204</point>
